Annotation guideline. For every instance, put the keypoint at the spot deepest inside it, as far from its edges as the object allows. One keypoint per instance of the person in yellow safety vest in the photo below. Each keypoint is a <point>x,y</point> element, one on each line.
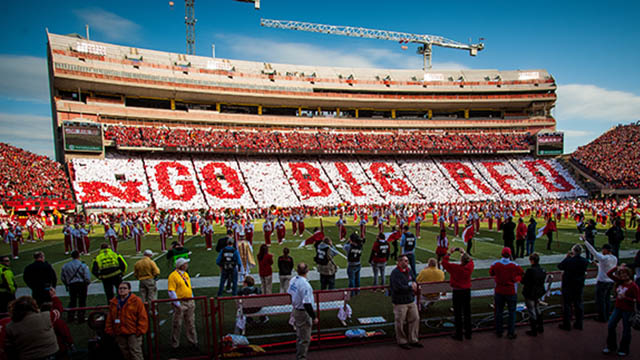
<point>109,266</point>
<point>7,284</point>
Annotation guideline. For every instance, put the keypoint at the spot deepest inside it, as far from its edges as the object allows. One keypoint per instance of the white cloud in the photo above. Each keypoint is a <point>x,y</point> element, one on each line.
<point>108,24</point>
<point>576,133</point>
<point>591,102</point>
<point>30,132</point>
<point>24,78</point>
<point>307,54</point>
<point>586,111</point>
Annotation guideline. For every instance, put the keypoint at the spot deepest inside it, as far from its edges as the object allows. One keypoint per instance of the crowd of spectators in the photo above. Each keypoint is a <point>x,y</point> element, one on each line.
<point>547,177</point>
<point>614,157</point>
<point>25,175</point>
<point>184,182</point>
<point>259,140</point>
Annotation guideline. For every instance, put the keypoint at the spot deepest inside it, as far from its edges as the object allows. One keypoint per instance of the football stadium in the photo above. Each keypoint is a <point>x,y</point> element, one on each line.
<point>234,172</point>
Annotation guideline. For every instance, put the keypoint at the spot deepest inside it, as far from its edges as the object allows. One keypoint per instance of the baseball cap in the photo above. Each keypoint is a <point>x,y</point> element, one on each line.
<point>181,261</point>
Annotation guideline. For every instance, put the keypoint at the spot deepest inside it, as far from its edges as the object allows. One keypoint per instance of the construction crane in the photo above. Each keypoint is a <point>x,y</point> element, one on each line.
<point>426,41</point>
<point>190,21</point>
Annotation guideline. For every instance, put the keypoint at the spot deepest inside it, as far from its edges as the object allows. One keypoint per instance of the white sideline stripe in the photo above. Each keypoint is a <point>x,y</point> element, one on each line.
<point>365,272</point>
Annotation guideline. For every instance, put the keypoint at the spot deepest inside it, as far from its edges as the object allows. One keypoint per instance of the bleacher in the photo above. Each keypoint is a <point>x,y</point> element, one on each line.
<point>260,140</point>
<point>613,158</point>
<point>28,176</point>
<point>187,181</point>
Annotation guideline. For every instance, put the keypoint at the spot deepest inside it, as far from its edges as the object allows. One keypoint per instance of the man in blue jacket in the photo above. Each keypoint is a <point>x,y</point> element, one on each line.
<point>229,261</point>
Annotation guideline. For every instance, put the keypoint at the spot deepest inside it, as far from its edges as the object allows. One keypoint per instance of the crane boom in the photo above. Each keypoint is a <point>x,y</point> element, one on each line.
<point>426,40</point>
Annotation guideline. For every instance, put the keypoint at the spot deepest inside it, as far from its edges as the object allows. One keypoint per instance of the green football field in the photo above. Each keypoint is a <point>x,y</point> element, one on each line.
<point>487,245</point>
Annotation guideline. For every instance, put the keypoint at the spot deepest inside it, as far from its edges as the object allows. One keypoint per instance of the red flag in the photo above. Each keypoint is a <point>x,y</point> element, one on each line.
<point>394,236</point>
<point>468,233</point>
<point>318,236</point>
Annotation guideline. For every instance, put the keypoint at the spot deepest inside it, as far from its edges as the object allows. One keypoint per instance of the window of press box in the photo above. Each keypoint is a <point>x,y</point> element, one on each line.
<point>238,109</point>
<point>148,103</point>
<point>72,95</point>
<point>279,111</point>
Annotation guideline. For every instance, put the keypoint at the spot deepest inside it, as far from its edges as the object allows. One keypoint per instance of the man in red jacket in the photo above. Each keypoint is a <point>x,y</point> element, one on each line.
<point>506,273</point>
<point>521,235</point>
<point>460,281</point>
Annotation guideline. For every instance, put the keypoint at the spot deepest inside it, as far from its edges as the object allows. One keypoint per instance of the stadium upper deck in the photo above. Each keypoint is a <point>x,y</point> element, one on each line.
<point>106,83</point>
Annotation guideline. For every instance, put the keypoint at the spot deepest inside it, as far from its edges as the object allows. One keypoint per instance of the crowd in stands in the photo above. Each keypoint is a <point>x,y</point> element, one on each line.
<point>320,141</point>
<point>25,175</point>
<point>212,181</point>
<point>614,157</point>
<point>547,177</point>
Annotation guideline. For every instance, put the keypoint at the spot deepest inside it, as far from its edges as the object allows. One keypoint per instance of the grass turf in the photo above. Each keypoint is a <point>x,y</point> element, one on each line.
<point>487,245</point>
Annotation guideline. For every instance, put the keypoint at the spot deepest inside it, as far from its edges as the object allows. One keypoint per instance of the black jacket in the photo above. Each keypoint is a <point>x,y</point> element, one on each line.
<point>533,282</point>
<point>508,229</point>
<point>590,233</point>
<point>399,284</point>
<point>574,268</point>
<point>40,275</point>
<point>615,235</point>
<point>531,231</point>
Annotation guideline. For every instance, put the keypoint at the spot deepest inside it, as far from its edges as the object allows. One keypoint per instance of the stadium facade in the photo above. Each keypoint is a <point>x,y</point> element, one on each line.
<point>141,127</point>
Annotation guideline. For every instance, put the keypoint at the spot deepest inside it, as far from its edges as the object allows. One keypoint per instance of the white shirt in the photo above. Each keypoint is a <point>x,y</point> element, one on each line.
<point>605,263</point>
<point>301,292</point>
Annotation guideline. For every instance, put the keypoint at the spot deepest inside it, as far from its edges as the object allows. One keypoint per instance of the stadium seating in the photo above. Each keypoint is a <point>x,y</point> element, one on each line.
<point>426,176</point>
<point>322,141</point>
<point>350,181</point>
<point>25,175</point>
<point>505,180</point>
<point>221,182</point>
<point>173,183</point>
<point>115,181</point>
<point>547,177</point>
<point>614,157</point>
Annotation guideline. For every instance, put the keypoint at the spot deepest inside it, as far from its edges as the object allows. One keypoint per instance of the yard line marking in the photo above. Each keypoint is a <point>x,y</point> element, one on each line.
<point>160,254</point>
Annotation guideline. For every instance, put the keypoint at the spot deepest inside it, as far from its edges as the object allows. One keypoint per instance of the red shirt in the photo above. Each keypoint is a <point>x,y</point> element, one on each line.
<point>459,275</point>
<point>264,265</point>
<point>521,231</point>
<point>506,273</point>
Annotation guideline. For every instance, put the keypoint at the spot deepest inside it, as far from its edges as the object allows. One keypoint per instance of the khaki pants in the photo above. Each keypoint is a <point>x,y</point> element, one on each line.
<point>148,290</point>
<point>284,283</point>
<point>186,312</point>
<point>266,282</point>
<point>130,346</point>
<point>406,313</point>
<point>303,333</point>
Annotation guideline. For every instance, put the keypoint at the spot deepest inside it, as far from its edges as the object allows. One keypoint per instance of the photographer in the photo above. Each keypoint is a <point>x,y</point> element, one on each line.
<point>460,280</point>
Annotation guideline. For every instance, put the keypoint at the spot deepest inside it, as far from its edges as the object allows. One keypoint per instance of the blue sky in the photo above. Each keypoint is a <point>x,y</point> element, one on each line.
<point>591,48</point>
